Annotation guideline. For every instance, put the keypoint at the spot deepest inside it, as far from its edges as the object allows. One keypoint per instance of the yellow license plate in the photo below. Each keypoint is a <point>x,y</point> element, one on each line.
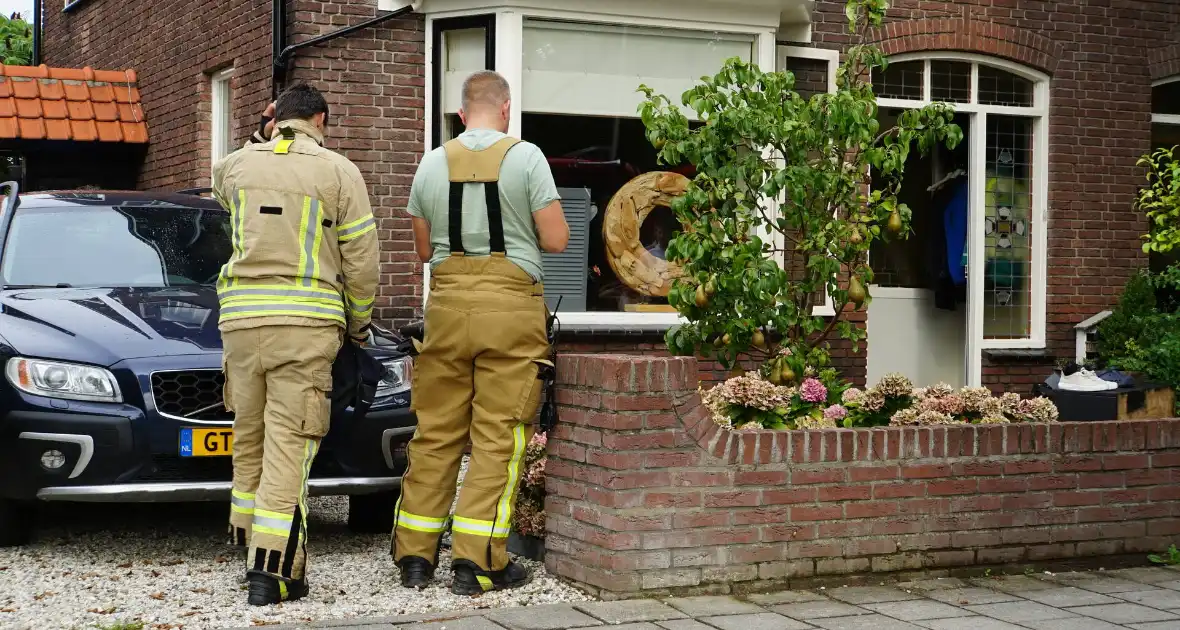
<point>217,442</point>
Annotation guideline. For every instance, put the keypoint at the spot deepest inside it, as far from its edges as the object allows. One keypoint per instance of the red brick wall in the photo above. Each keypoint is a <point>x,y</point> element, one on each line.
<point>1101,57</point>
<point>373,80</point>
<point>647,494</point>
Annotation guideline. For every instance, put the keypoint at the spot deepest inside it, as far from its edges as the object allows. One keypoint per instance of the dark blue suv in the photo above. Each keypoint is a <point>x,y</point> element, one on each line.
<point>112,388</point>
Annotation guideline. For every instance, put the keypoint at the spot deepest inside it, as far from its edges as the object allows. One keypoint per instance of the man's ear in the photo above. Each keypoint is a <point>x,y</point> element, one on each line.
<point>506,110</point>
<point>321,120</point>
<point>463,116</point>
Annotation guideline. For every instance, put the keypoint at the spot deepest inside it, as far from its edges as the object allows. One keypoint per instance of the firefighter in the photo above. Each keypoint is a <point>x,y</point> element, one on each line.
<point>483,207</point>
<point>303,273</point>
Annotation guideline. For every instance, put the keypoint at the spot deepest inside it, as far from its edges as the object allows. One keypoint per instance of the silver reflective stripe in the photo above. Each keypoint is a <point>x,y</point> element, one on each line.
<point>242,503</point>
<point>359,307</point>
<point>351,230</point>
<point>272,523</point>
<point>311,232</point>
<point>301,293</point>
<point>281,306</point>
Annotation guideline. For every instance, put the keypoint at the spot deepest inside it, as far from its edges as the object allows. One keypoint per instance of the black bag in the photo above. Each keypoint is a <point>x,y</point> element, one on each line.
<point>355,377</point>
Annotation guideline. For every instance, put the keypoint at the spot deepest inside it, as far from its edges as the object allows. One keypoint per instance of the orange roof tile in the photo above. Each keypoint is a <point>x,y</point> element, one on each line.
<point>84,105</point>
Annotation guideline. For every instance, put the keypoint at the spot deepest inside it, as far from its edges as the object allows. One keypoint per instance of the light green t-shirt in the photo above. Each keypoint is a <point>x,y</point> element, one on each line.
<point>526,186</point>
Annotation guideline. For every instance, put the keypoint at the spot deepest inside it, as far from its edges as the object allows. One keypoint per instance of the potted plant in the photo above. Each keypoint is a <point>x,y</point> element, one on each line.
<point>527,538</point>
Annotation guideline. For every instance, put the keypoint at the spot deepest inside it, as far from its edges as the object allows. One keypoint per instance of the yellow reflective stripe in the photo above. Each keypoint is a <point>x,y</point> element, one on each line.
<point>273,531</point>
<point>282,313</point>
<point>359,306</point>
<point>273,523</point>
<point>235,216</point>
<point>248,511</point>
<point>352,225</point>
<point>333,303</point>
<point>419,523</point>
<point>309,451</point>
<point>244,307</point>
<point>317,217</point>
<point>275,515</point>
<point>284,146</point>
<point>344,238</point>
<point>282,590</point>
<point>485,582</point>
<point>305,245</point>
<point>245,496</point>
<point>277,290</point>
<point>504,509</point>
<point>476,527</point>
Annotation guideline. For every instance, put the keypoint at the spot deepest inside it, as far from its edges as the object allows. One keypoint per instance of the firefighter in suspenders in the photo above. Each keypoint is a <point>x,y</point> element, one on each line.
<point>303,273</point>
<point>484,206</point>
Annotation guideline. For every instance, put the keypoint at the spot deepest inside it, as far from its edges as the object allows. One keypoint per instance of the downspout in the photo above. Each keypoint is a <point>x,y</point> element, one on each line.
<point>278,30</point>
<point>282,56</point>
<point>36,33</point>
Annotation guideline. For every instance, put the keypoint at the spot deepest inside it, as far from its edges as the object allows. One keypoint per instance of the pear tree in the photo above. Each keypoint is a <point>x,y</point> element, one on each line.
<point>788,197</point>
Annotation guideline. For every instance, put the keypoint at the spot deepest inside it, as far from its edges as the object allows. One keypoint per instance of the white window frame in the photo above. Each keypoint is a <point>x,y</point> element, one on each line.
<point>1039,113</point>
<point>221,116</point>
<point>509,62</point>
<point>1165,119</point>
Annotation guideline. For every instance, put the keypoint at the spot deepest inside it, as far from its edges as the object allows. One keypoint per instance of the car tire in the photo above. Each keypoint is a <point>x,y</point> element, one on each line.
<point>16,523</point>
<point>372,513</point>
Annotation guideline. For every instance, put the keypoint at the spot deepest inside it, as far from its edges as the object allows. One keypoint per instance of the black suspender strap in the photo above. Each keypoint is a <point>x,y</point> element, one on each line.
<point>455,218</point>
<point>495,218</point>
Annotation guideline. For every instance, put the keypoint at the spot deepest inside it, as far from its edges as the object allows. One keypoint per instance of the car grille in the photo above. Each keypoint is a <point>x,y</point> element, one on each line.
<point>193,395</point>
<point>171,468</point>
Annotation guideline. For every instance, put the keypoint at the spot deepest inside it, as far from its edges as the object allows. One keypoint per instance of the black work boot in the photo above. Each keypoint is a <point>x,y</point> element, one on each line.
<point>472,580</point>
<point>415,572</point>
<point>267,589</point>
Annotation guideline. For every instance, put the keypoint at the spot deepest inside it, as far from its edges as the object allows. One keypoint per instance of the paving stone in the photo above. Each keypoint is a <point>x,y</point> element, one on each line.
<point>934,584</point>
<point>1174,585</point>
<point>808,611</point>
<point>712,605</point>
<point>972,596</point>
<point>1156,625</point>
<point>917,610</point>
<point>974,623</point>
<point>1146,575</point>
<point>551,617</point>
<point>1097,583</point>
<point>864,622</point>
<point>1155,598</point>
<point>636,626</point>
<point>1124,613</point>
<point>1020,612</point>
<point>1069,596</point>
<point>684,624</point>
<point>1015,584</point>
<point>785,597</point>
<point>760,621</point>
<point>429,617</point>
<point>1073,623</point>
<point>467,623</point>
<point>870,594</point>
<point>630,611</point>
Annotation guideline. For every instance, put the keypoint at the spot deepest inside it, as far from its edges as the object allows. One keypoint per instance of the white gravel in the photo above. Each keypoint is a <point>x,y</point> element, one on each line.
<point>164,565</point>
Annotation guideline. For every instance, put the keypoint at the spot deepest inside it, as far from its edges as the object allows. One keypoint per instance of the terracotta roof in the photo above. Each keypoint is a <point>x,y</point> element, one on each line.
<point>43,103</point>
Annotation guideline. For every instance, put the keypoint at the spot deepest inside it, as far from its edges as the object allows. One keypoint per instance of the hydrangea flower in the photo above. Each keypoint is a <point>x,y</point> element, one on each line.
<point>835,413</point>
<point>813,391</point>
<point>895,385</point>
<point>851,395</point>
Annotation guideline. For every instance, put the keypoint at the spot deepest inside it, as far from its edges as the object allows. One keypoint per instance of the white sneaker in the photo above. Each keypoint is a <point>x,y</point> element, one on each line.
<point>1085,381</point>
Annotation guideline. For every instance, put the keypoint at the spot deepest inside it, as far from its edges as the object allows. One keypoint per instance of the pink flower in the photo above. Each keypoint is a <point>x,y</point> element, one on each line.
<point>813,391</point>
<point>835,412</point>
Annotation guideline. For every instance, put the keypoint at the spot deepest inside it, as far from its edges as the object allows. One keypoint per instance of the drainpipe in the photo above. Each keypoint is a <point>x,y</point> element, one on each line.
<point>36,33</point>
<point>282,56</point>
<point>278,30</point>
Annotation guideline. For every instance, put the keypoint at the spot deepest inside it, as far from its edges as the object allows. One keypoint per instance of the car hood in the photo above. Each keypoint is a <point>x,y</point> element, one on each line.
<point>105,326</point>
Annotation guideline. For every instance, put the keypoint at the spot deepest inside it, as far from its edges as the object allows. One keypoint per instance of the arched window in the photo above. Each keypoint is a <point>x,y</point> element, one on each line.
<point>997,262</point>
<point>1165,113</point>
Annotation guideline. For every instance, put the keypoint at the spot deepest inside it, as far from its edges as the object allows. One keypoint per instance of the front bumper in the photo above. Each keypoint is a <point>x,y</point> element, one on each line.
<point>112,454</point>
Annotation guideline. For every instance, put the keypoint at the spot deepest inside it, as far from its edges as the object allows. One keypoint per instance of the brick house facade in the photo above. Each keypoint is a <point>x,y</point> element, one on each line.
<point>1091,68</point>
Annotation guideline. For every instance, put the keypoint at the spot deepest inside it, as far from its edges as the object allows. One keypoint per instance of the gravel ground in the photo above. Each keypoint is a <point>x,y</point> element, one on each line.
<point>99,566</point>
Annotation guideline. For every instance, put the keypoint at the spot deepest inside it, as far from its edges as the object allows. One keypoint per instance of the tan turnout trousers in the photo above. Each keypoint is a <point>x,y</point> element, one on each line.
<point>476,377</point>
<point>278,384</point>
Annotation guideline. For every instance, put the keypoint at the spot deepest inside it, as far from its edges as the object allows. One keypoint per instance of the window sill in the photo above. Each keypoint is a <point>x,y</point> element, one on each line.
<point>71,5</point>
<point>1016,354</point>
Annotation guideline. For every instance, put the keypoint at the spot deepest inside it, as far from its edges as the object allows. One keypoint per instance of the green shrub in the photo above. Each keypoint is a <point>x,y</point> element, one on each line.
<point>1126,322</point>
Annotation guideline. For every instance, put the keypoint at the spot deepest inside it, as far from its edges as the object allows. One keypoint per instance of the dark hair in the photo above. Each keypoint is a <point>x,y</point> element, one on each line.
<point>300,102</point>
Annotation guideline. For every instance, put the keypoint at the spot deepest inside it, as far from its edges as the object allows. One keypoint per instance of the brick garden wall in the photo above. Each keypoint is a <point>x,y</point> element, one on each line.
<point>647,494</point>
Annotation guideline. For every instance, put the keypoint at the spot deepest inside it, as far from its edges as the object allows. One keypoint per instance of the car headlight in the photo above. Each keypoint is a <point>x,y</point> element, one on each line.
<point>398,373</point>
<point>71,381</point>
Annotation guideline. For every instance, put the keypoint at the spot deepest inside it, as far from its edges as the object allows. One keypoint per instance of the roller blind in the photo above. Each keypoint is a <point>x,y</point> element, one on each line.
<point>464,51</point>
<point>595,70</point>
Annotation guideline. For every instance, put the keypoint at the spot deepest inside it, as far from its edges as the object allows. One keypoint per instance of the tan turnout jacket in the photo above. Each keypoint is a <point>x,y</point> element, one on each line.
<point>304,236</point>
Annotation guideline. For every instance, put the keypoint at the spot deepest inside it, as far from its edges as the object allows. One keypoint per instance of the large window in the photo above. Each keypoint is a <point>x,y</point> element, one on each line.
<point>1165,113</point>
<point>575,95</point>
<point>1003,161</point>
<point>221,101</point>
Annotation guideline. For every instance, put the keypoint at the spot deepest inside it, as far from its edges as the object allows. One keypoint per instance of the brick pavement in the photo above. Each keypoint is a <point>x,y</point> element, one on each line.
<point>1139,599</point>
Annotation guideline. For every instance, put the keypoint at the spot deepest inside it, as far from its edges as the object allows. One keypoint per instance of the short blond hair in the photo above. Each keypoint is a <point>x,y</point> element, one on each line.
<point>485,88</point>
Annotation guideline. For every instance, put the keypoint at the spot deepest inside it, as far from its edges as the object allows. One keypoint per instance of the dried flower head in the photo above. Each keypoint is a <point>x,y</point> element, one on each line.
<point>975,399</point>
<point>940,390</point>
<point>935,417</point>
<point>750,426</point>
<point>895,385</point>
<point>904,417</point>
<point>814,422</point>
<point>851,395</point>
<point>872,400</point>
<point>1010,403</point>
<point>994,420</point>
<point>1038,410</point>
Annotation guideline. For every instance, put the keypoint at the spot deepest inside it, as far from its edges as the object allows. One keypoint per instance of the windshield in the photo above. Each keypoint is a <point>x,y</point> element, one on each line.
<point>115,246</point>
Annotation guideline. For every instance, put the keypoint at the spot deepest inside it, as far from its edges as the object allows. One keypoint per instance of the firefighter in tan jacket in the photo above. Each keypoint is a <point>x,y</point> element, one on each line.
<point>303,273</point>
